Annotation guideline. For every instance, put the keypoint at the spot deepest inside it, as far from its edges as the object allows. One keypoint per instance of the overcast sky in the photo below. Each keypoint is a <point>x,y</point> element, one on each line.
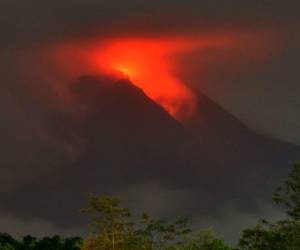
<point>264,97</point>
<point>257,81</point>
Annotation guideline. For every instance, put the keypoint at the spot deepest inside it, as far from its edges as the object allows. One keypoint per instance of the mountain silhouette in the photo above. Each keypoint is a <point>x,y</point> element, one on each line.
<point>130,140</point>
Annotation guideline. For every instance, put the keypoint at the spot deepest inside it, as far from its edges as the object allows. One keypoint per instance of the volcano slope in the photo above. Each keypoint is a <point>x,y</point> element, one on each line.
<point>131,147</point>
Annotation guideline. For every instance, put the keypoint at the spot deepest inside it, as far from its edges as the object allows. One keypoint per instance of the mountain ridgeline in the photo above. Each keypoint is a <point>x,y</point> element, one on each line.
<point>130,142</point>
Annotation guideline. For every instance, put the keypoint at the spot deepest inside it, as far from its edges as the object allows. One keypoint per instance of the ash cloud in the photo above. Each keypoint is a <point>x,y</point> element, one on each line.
<point>50,129</point>
<point>126,141</point>
<point>32,23</point>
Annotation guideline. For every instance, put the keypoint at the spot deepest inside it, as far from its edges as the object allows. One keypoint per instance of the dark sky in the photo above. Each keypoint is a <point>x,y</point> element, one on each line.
<point>36,105</point>
<point>265,99</point>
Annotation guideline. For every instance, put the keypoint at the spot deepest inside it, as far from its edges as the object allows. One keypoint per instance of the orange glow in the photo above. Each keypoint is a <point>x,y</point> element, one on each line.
<point>148,65</point>
<point>151,62</point>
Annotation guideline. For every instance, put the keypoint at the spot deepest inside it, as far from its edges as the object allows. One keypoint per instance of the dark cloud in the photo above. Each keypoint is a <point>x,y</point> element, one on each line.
<point>18,227</point>
<point>129,141</point>
<point>34,20</point>
<point>33,23</point>
<point>265,97</point>
<point>62,137</point>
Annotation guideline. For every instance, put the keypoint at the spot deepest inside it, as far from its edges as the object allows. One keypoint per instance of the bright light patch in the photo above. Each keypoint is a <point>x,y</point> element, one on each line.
<point>148,64</point>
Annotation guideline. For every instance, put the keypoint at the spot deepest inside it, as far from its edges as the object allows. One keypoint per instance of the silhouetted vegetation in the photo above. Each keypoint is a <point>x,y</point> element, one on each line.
<point>31,243</point>
<point>283,234</point>
<point>114,227</point>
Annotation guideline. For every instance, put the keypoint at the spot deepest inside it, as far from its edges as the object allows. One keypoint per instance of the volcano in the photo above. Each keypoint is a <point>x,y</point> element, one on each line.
<point>130,140</point>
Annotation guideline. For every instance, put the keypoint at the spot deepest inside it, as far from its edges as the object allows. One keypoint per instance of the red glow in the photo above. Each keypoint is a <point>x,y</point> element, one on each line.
<point>150,62</point>
<point>148,65</point>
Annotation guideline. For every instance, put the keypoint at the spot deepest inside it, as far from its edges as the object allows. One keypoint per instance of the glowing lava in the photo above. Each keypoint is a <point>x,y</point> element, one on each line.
<point>148,65</point>
<point>151,62</point>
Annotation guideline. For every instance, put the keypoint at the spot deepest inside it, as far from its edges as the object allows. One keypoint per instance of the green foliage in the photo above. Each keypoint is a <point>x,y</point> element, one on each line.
<point>283,234</point>
<point>160,234</point>
<point>110,225</point>
<point>288,194</point>
<point>6,241</point>
<point>113,228</point>
<point>30,243</point>
<point>107,213</point>
<point>204,240</point>
<point>6,247</point>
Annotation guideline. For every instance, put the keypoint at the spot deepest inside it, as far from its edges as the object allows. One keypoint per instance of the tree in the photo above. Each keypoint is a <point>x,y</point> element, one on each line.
<point>6,241</point>
<point>204,240</point>
<point>6,247</point>
<point>55,243</point>
<point>288,194</point>
<point>113,228</point>
<point>72,243</point>
<point>110,225</point>
<point>283,234</point>
<point>28,242</point>
<point>159,234</point>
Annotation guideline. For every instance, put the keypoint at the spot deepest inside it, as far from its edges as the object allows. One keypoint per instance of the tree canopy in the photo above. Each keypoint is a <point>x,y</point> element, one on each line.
<point>283,234</point>
<point>115,228</point>
<point>29,242</point>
